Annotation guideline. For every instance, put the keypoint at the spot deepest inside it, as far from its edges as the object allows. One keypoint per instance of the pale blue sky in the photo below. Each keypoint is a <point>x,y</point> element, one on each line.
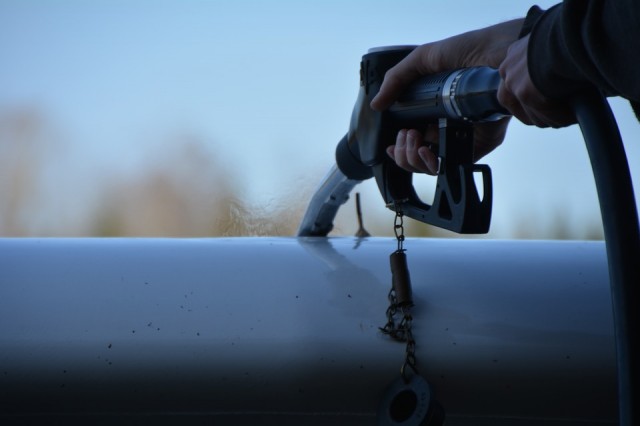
<point>269,84</point>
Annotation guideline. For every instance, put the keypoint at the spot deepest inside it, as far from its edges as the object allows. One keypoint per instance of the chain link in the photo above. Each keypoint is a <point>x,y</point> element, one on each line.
<point>398,226</point>
<point>401,331</point>
<point>410,350</point>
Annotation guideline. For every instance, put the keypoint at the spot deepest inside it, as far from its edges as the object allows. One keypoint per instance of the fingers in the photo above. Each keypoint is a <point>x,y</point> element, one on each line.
<point>411,151</point>
<point>411,154</point>
<point>396,80</point>
<point>533,109</point>
<point>520,96</point>
<point>423,60</point>
<point>487,46</point>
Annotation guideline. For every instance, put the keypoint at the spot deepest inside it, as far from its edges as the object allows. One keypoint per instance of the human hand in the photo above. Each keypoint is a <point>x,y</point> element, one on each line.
<point>412,148</point>
<point>486,47</point>
<point>518,94</point>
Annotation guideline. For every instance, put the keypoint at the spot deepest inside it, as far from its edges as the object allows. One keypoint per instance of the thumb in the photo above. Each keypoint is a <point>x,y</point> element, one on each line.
<point>398,78</point>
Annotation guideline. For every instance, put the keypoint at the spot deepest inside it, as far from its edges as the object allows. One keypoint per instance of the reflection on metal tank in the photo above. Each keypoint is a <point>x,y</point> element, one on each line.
<point>285,330</point>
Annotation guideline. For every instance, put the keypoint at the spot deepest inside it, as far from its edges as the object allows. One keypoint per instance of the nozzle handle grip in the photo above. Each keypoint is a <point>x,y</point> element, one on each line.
<point>468,94</point>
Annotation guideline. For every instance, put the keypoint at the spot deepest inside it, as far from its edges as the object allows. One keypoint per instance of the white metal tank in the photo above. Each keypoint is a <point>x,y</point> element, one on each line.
<point>285,330</point>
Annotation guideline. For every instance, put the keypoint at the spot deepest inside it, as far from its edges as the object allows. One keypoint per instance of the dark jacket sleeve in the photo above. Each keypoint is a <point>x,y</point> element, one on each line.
<point>587,42</point>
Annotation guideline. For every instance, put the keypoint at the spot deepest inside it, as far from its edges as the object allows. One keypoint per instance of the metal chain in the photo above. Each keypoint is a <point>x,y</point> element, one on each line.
<point>398,226</point>
<point>402,331</point>
<point>410,350</point>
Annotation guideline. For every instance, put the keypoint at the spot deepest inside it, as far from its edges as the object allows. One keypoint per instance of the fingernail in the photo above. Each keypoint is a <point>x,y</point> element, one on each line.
<point>373,102</point>
<point>390,152</point>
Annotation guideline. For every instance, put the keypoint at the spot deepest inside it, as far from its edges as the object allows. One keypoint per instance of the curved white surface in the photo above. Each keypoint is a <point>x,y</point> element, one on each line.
<point>285,330</point>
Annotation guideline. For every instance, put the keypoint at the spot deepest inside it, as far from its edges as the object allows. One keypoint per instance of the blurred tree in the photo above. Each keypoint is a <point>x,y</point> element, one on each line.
<point>188,193</point>
<point>21,151</point>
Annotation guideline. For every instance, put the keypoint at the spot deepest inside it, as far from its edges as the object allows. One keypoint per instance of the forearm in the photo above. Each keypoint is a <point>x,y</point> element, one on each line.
<point>580,43</point>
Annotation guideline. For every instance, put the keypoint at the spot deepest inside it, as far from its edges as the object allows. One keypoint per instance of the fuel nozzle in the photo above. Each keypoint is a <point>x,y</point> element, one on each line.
<point>454,100</point>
